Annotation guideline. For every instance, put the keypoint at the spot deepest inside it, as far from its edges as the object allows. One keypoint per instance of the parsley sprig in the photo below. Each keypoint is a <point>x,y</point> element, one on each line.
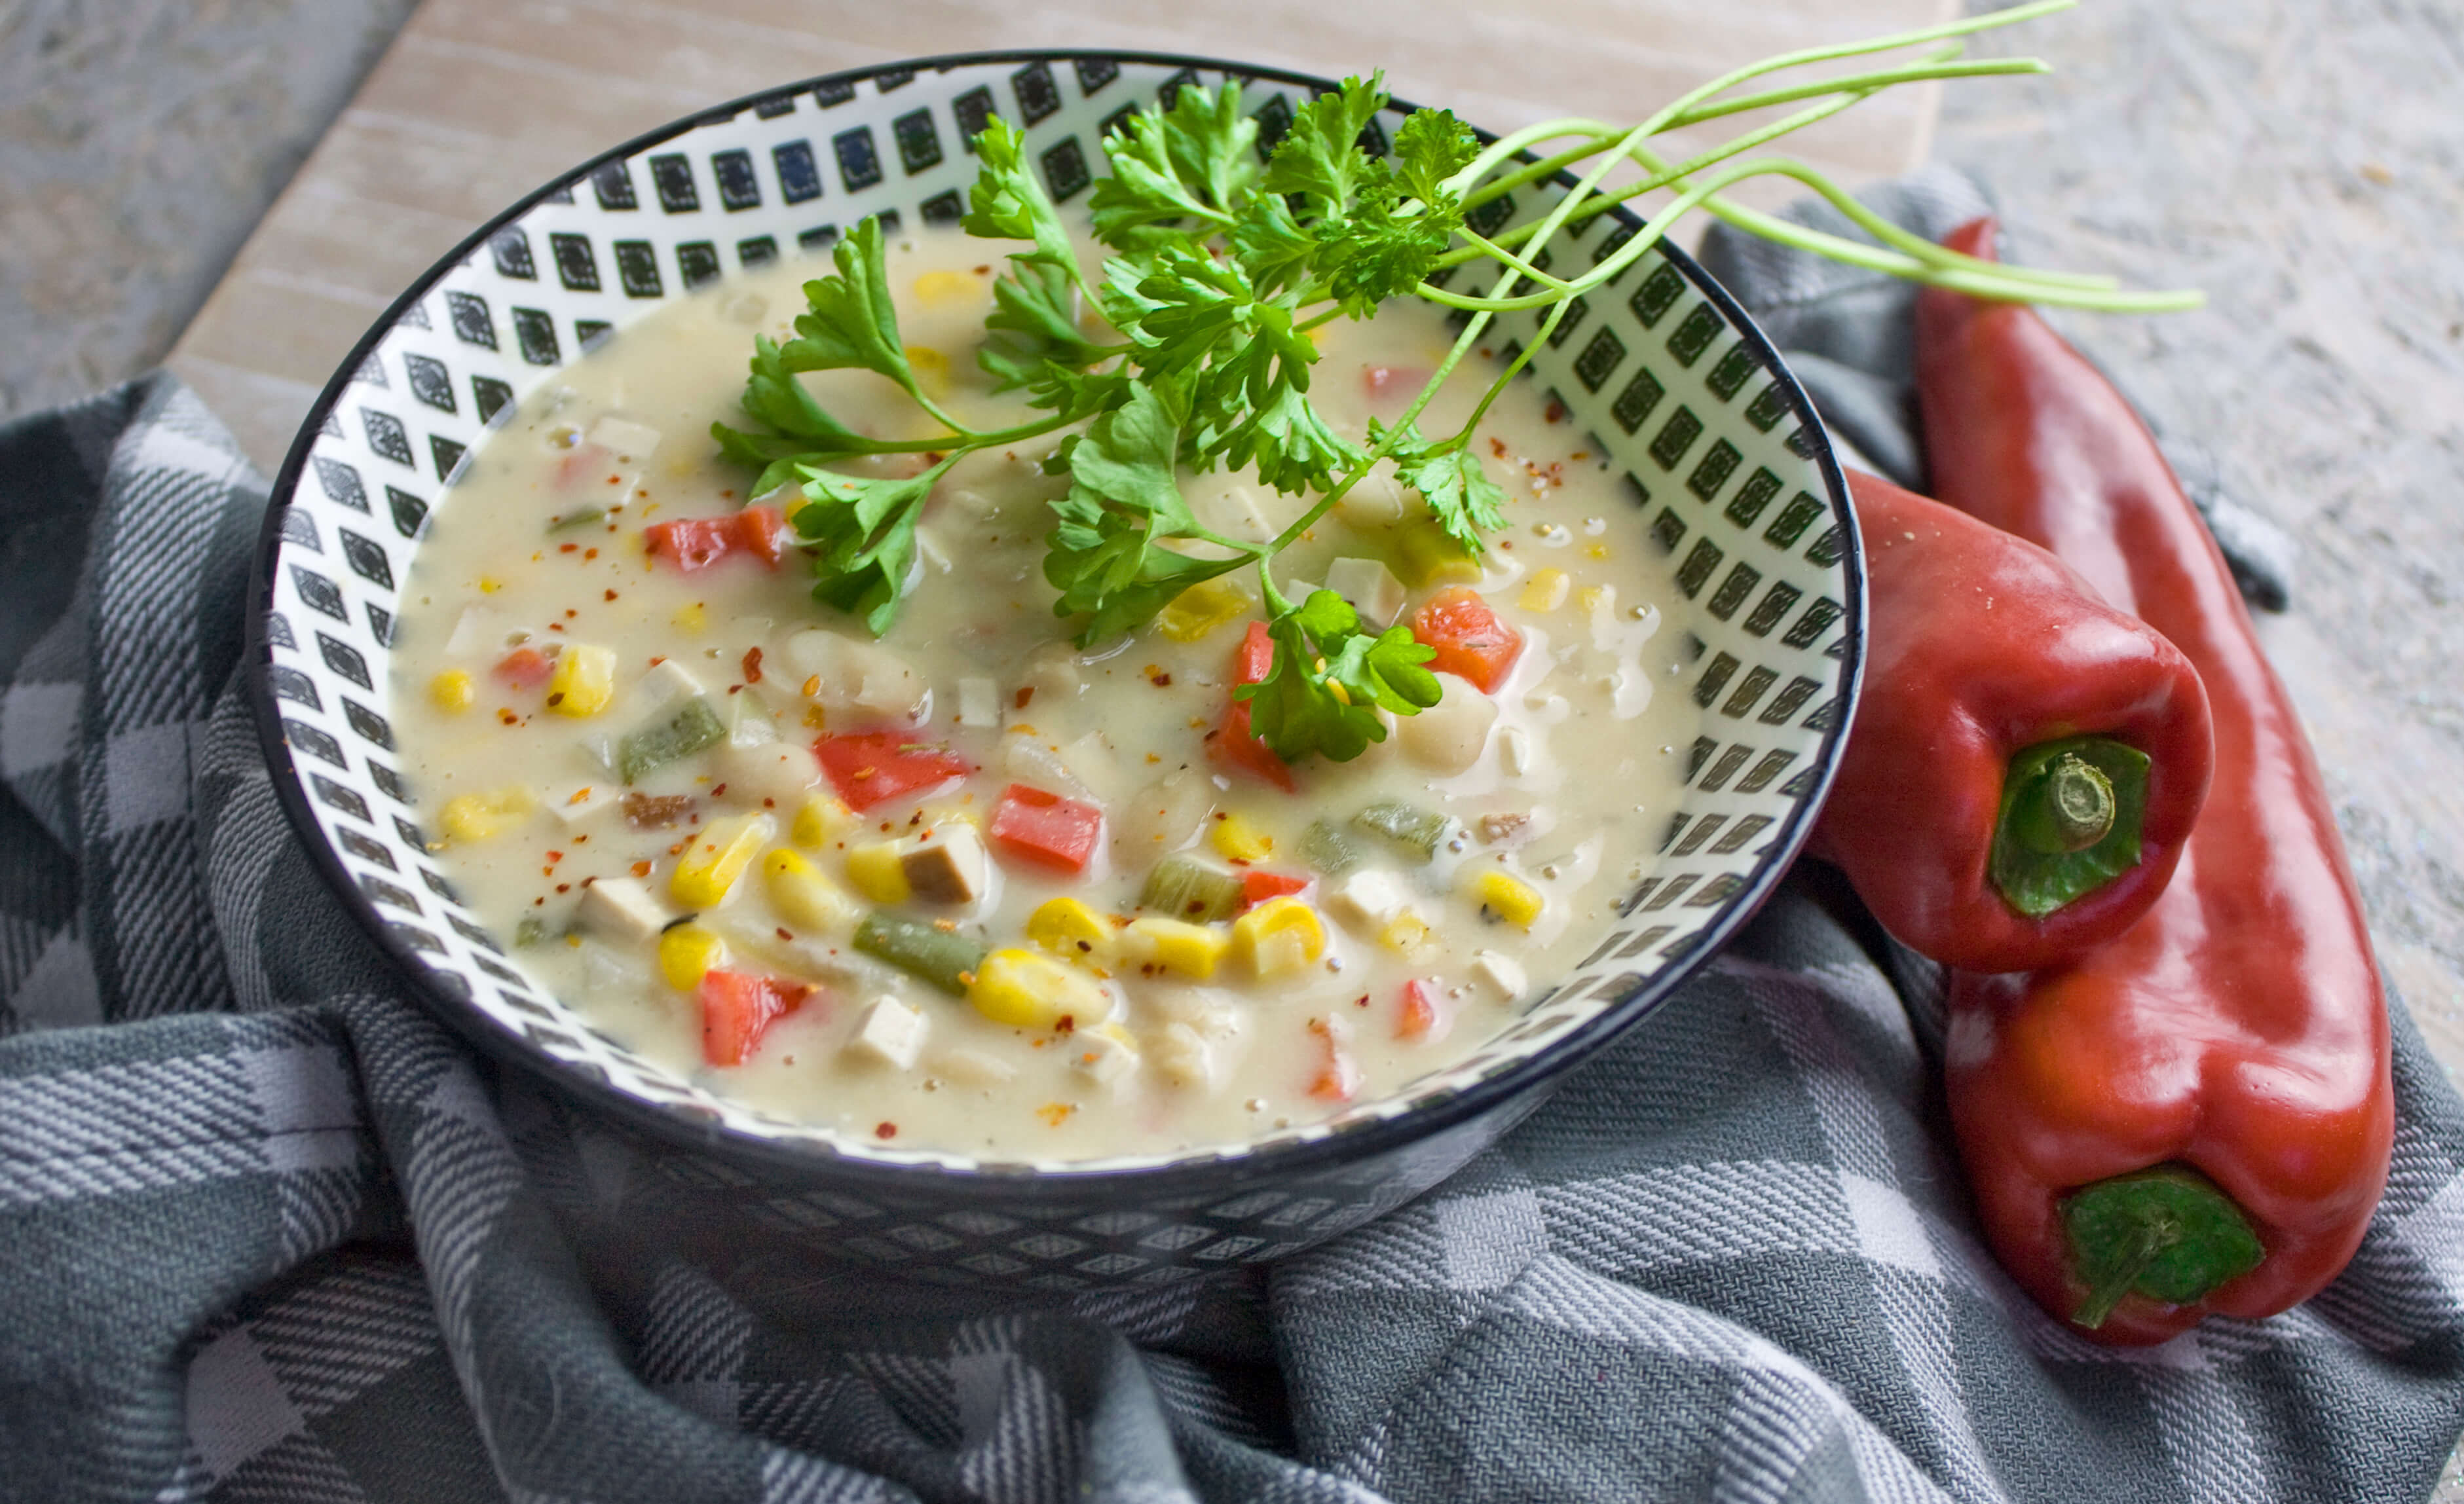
<point>1190,347</point>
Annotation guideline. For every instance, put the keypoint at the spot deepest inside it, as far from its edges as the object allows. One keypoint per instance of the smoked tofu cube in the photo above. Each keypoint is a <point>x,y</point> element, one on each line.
<point>622,909</point>
<point>1499,976</point>
<point>1368,899</point>
<point>892,1033</point>
<point>949,866</point>
<point>1370,586</point>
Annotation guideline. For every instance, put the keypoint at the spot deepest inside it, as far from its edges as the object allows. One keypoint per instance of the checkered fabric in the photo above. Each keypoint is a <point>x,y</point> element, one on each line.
<point>271,1234</point>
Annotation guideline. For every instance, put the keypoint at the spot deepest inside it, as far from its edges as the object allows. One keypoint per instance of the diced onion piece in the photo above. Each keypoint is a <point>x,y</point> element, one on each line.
<point>979,703</point>
<point>628,439</point>
<point>1204,606</point>
<point>1104,1053</point>
<point>1368,899</point>
<point>1372,588</point>
<point>1501,976</point>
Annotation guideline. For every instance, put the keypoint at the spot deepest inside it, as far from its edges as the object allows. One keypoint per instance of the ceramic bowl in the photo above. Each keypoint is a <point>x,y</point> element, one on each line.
<point>1732,493</point>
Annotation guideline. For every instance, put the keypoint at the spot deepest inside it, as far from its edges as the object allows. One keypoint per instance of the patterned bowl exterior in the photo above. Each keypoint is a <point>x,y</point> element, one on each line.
<point>1728,474</point>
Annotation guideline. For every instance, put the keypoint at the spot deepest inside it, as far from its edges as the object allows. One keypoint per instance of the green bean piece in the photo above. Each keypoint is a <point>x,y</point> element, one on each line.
<point>1186,888</point>
<point>693,727</point>
<point>576,519</point>
<point>1416,830</point>
<point>922,950</point>
<point>1328,849</point>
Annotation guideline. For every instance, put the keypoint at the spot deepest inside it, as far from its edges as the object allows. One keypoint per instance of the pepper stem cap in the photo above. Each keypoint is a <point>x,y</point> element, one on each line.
<point>2169,1233</point>
<point>2069,821</point>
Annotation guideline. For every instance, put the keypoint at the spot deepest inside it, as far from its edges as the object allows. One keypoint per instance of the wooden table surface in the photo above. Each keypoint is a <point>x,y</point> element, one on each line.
<point>479,101</point>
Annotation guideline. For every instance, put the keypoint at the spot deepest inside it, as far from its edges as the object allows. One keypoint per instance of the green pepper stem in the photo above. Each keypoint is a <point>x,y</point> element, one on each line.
<point>2166,1233</point>
<point>2071,810</point>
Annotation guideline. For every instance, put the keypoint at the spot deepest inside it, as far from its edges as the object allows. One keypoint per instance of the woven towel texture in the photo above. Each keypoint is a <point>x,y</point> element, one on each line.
<point>274,1235</point>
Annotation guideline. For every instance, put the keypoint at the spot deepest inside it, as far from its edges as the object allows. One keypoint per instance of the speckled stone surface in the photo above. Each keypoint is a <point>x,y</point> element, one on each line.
<point>140,141</point>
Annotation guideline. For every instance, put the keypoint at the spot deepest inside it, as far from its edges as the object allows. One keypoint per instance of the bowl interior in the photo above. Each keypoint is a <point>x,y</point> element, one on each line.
<point>1730,480</point>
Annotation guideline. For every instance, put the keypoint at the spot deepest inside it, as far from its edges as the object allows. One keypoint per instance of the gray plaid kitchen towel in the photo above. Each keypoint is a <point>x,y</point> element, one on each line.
<point>267,1233</point>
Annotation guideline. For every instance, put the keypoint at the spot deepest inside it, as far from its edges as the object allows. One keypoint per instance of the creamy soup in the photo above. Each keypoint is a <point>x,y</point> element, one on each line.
<point>972,887</point>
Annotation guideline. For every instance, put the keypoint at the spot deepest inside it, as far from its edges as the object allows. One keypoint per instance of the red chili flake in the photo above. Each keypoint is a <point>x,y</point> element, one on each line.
<point>887,1130</point>
<point>556,856</point>
<point>1066,1023</point>
<point>612,595</point>
<point>718,791</point>
<point>784,936</point>
<point>556,626</point>
<point>1024,694</point>
<point>564,887</point>
<point>590,553</point>
<point>506,714</point>
<point>640,869</point>
<point>557,698</point>
<point>1555,412</point>
<point>728,494</point>
<point>986,270</point>
<point>1497,447</point>
<point>570,613</point>
<point>567,548</point>
<point>752,665</point>
<point>615,480</point>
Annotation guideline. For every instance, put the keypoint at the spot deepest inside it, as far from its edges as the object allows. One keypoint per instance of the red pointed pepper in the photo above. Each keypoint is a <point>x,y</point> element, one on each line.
<point>2026,762</point>
<point>2196,1115</point>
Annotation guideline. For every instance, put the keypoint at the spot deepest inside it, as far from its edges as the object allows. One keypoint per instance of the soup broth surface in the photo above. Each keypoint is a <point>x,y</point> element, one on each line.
<point>786,912</point>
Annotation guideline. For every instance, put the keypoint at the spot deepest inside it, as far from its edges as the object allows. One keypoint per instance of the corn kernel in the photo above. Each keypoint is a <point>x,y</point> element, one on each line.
<point>878,873</point>
<point>818,818</point>
<point>1030,989</point>
<point>1204,607</point>
<point>478,817</point>
<point>804,898</point>
<point>931,370</point>
<point>1279,935</point>
<point>489,585</point>
<point>1174,944</point>
<point>1508,897</point>
<point>944,288</point>
<point>584,680</point>
<point>1070,928</point>
<point>686,953</point>
<point>1238,840</point>
<point>1431,556</point>
<point>1546,591</point>
<point>717,858</point>
<point>690,619</point>
<point>1594,599</point>
<point>453,691</point>
<point>1405,934</point>
<point>1596,551</point>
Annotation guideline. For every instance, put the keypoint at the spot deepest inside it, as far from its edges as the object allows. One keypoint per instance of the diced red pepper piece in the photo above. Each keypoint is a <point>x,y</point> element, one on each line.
<point>1234,745</point>
<point>699,542</point>
<point>1471,643</point>
<point>693,542</point>
<point>1420,1016</point>
<point>762,531</point>
<point>525,668</point>
<point>737,1007</point>
<point>1393,386</point>
<point>873,767</point>
<point>1256,886</point>
<point>1339,1078</point>
<point>1046,829</point>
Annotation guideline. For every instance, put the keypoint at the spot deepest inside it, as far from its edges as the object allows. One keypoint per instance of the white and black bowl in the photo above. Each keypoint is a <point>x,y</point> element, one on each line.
<point>1730,482</point>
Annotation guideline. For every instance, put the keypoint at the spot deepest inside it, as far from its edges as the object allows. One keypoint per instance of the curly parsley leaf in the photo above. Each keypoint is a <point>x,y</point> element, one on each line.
<point>1124,501</point>
<point>1382,249</point>
<point>1034,326</point>
<point>864,531</point>
<point>1330,680</point>
<point>1006,202</point>
<point>851,322</point>
<point>798,431</point>
<point>1431,146</point>
<point>1178,175</point>
<point>1320,157</point>
<point>1450,477</point>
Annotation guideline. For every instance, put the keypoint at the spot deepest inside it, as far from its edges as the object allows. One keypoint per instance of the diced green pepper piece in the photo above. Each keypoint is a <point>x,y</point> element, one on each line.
<point>922,950</point>
<point>1416,830</point>
<point>1328,849</point>
<point>694,727</point>
<point>577,520</point>
<point>1189,889</point>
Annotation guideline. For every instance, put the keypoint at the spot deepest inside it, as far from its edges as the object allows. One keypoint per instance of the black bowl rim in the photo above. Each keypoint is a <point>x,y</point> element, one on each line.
<point>1204,1169</point>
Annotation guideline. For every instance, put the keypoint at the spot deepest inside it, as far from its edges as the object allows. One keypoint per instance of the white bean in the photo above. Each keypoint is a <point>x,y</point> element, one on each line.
<point>1449,735</point>
<point>1164,816</point>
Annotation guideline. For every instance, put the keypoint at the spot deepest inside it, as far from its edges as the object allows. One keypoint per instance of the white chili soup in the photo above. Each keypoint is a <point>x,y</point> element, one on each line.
<point>971,886</point>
